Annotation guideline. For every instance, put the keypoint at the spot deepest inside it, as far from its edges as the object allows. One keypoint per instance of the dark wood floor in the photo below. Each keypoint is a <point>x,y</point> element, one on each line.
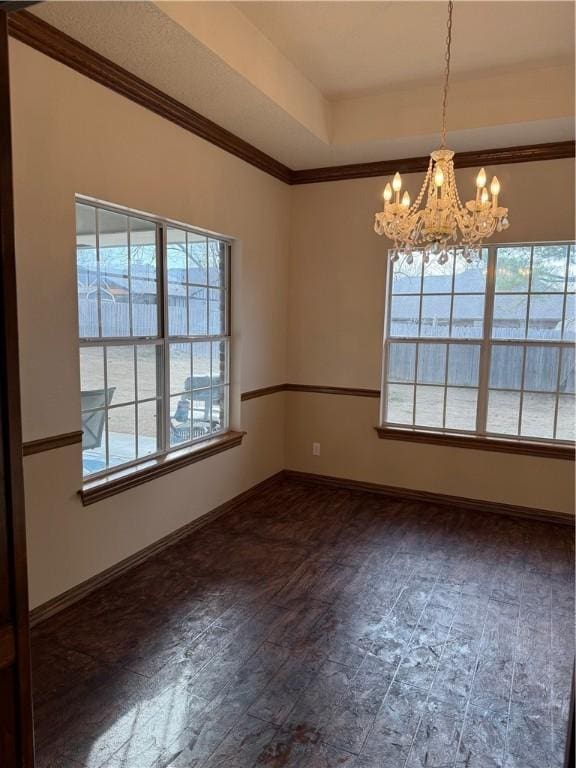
<point>318,628</point>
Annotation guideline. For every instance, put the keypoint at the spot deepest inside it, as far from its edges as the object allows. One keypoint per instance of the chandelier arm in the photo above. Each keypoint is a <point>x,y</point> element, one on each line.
<point>447,71</point>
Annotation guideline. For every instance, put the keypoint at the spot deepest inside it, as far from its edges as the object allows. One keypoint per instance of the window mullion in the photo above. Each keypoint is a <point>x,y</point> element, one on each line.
<point>485,347</point>
<point>448,344</point>
<point>106,410</point>
<point>98,294</point>
<point>389,269</point>
<point>560,346</point>
<point>525,351</point>
<point>165,356</point>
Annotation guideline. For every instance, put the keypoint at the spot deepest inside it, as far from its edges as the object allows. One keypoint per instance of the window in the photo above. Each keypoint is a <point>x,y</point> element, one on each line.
<point>485,348</point>
<point>153,303</point>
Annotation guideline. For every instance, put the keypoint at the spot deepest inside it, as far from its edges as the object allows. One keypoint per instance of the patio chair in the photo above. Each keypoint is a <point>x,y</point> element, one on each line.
<point>180,423</point>
<point>92,419</point>
<point>200,394</point>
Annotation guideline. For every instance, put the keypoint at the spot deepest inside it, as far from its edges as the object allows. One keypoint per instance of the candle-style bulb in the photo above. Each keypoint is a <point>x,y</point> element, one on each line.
<point>481,178</point>
<point>438,177</point>
<point>406,200</point>
<point>484,195</point>
<point>495,186</point>
<point>397,182</point>
<point>387,193</point>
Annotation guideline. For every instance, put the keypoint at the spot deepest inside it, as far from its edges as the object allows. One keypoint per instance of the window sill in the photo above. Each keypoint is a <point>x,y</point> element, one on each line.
<point>123,479</point>
<point>476,442</point>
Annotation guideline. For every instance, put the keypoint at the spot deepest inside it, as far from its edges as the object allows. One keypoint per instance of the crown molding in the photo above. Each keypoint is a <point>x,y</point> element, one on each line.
<point>38,34</point>
<point>482,157</point>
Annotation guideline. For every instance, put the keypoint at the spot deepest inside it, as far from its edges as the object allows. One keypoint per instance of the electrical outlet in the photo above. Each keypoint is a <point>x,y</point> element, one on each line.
<point>315,449</point>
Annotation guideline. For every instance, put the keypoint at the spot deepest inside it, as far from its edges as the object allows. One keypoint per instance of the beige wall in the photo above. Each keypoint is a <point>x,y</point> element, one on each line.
<point>71,136</point>
<point>310,250</point>
<point>336,310</point>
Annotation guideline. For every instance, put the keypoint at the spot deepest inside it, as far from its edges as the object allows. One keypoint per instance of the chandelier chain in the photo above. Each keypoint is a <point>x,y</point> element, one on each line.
<point>447,71</point>
<point>442,222</point>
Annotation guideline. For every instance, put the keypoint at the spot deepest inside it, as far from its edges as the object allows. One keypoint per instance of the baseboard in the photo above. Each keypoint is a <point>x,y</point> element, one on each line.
<point>73,595</point>
<point>429,497</point>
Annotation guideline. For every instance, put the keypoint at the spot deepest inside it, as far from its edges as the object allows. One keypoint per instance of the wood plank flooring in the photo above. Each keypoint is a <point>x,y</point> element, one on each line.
<point>320,628</point>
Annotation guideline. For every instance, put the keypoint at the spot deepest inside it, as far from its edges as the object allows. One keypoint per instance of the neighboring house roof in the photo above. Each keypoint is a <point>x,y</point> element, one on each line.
<point>436,300</point>
<point>143,280</point>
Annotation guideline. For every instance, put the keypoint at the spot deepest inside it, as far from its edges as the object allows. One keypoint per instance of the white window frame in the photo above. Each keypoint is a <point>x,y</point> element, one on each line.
<point>161,340</point>
<point>485,343</point>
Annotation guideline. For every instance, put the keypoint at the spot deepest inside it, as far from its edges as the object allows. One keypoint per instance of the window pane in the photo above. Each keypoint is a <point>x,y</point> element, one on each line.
<point>201,363</point>
<point>468,317</point>
<point>198,309</point>
<point>432,363</point>
<point>149,361</point>
<point>570,318</point>
<point>461,407</point>
<point>197,259</point>
<point>218,400</point>
<point>87,271</point>
<point>566,418</point>
<point>217,263</point>
<point>400,403</point>
<point>429,406</point>
<point>549,268</point>
<point>541,368</point>
<point>176,255</point>
<point>91,369</point>
<point>506,363</point>
<point>538,415</point>
<point>180,420</point>
<point>463,365</point>
<point>406,277</point>
<point>93,442</point>
<point>180,368</point>
<point>114,273</point>
<point>148,428</point>
<point>176,273</point>
<point>217,314</point>
<point>571,284</point>
<point>509,320</point>
<point>177,310</point>
<point>545,317</point>
<point>503,412</point>
<point>470,278</point>
<point>93,417</point>
<point>201,399</point>
<point>144,297</point>
<point>404,315</point>
<point>438,277</point>
<point>512,269</point>
<point>435,316</point>
<point>120,373</point>
<point>121,435</point>
<point>567,374</point>
<point>219,363</point>
<point>401,362</point>
<point>143,277</point>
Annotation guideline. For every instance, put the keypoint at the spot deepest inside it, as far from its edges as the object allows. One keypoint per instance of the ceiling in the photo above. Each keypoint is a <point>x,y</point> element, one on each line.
<point>351,48</point>
<point>323,83</point>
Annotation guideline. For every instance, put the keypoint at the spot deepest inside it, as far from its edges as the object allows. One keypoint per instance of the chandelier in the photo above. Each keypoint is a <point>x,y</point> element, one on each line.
<point>443,222</point>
